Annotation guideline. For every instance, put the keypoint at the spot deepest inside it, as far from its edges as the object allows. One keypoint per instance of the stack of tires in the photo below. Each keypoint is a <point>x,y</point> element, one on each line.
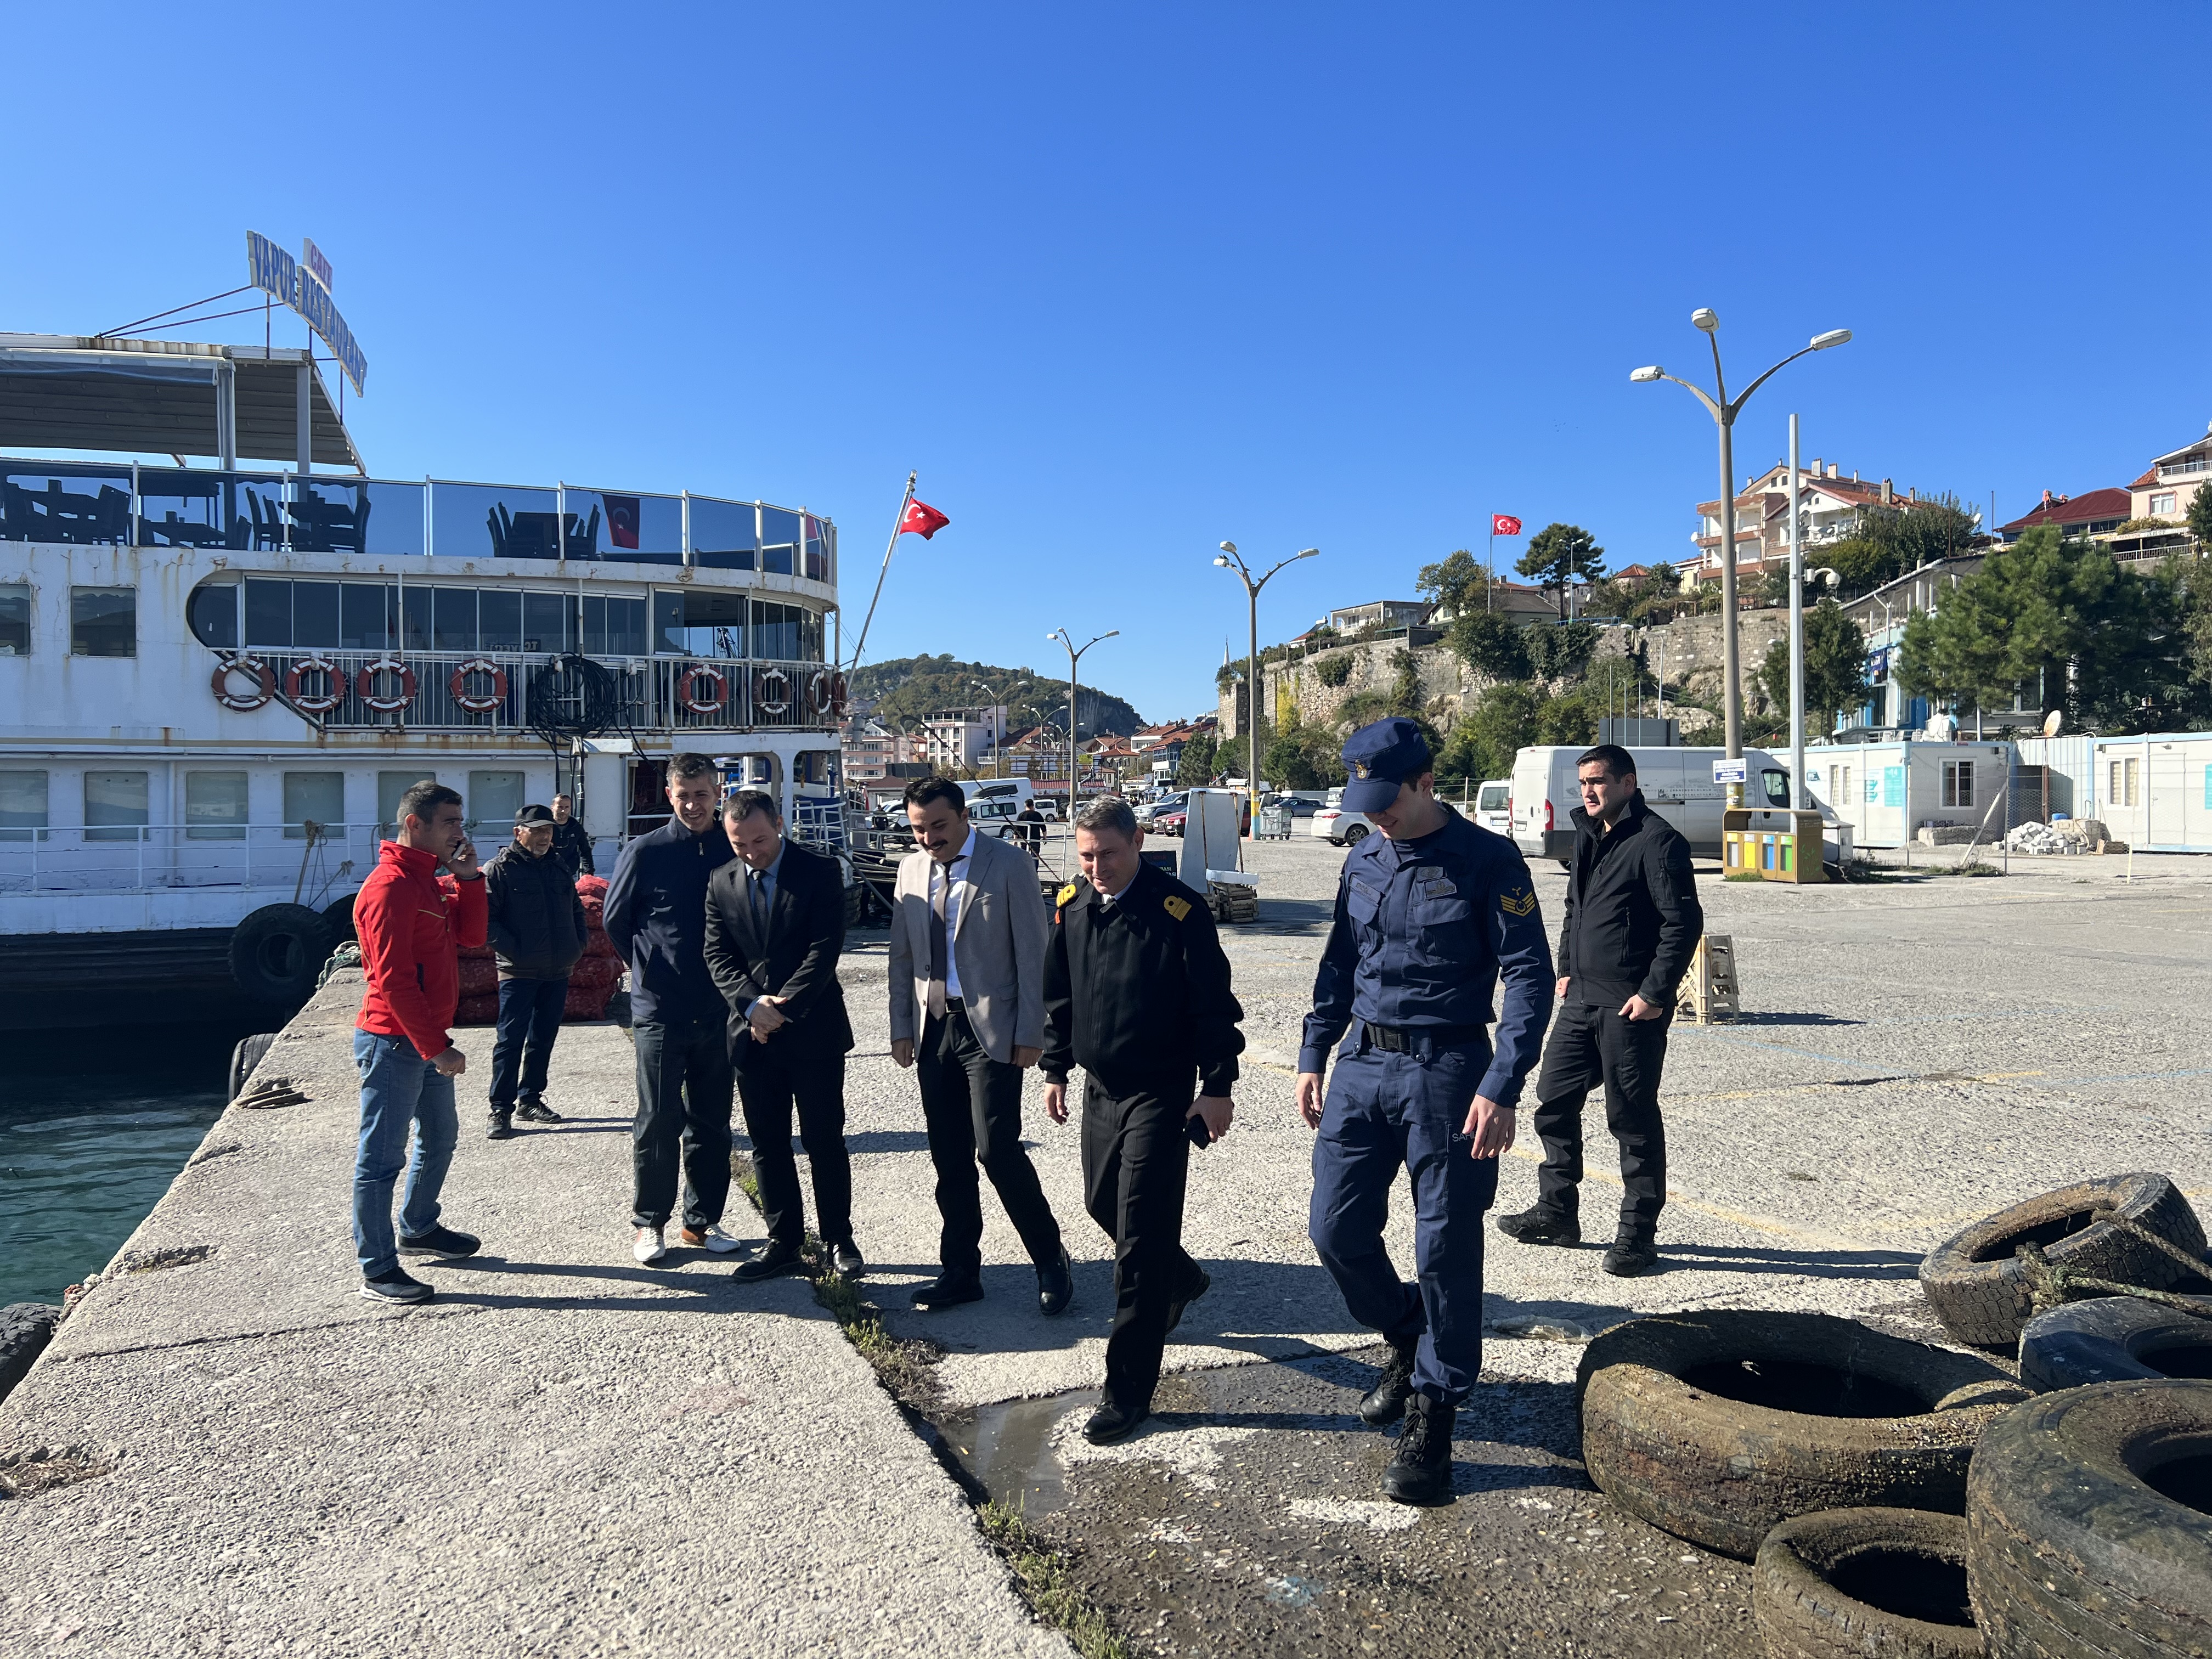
<point>591,984</point>
<point>1901,1498</point>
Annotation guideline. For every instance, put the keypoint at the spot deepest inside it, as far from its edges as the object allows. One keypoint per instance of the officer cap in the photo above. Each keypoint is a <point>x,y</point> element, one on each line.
<point>1381,757</point>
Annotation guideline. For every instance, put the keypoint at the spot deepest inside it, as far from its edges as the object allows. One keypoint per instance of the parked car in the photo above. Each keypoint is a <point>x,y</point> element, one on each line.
<point>1338,827</point>
<point>1493,806</point>
<point>1150,810</point>
<point>1302,805</point>
<point>1167,823</point>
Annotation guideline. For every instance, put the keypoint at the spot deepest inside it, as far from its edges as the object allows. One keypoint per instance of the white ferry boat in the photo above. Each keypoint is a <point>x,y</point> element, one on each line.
<point>216,682</point>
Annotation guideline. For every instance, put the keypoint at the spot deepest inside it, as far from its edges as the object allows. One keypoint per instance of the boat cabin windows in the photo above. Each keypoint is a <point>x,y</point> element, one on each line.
<point>787,632</point>
<point>22,805</point>
<point>115,805</point>
<point>14,619</point>
<point>698,622</point>
<point>84,506</point>
<point>312,797</point>
<point>494,799</point>
<point>211,613</point>
<point>103,621</point>
<point>215,806</point>
<point>281,613</point>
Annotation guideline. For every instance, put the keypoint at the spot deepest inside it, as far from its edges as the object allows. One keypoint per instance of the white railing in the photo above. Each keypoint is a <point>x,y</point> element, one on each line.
<point>313,861</point>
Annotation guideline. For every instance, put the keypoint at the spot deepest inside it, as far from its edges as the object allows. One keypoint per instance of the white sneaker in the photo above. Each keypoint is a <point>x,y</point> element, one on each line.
<point>646,1246</point>
<point>714,1239</point>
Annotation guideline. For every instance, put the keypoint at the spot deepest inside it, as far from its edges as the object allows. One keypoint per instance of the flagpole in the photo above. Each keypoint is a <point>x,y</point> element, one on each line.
<point>1488,601</point>
<point>889,548</point>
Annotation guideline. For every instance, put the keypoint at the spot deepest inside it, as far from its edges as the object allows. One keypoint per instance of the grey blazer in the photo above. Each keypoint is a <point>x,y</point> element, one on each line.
<point>998,947</point>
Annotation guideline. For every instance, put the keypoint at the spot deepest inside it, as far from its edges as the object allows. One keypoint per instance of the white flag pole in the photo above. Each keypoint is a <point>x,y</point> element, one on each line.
<point>889,548</point>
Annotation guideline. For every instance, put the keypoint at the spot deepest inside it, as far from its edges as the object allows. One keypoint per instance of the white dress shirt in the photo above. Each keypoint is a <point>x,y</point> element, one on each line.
<point>955,876</point>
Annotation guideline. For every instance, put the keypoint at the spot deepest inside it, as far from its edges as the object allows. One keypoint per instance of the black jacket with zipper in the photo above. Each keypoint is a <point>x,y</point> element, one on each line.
<point>656,915</point>
<point>1633,918</point>
<point>537,918</point>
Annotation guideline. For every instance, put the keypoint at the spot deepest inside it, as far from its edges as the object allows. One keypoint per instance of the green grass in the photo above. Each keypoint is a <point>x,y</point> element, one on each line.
<point>1041,1572</point>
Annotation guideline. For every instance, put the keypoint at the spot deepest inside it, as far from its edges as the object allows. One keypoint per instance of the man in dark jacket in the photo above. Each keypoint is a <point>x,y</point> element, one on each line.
<point>1632,923</point>
<point>775,923</point>
<point>656,917</point>
<point>536,927</point>
<point>572,844</point>
<point>1136,992</point>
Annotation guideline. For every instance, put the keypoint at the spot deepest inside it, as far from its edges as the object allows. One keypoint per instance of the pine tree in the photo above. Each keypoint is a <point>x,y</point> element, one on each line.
<point>1561,554</point>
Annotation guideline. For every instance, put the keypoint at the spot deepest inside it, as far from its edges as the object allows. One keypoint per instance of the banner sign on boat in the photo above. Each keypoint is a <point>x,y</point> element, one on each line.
<point>277,273</point>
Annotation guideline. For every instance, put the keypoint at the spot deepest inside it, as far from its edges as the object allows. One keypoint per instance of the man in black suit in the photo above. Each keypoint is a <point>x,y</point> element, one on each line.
<point>775,922</point>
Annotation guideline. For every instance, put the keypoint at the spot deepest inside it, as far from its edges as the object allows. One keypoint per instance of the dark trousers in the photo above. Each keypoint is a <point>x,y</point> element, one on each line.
<point>771,1085</point>
<point>972,1107</point>
<point>1386,1111</point>
<point>529,1020</point>
<point>683,1097</point>
<point>1135,1159</point>
<point>1588,1044</point>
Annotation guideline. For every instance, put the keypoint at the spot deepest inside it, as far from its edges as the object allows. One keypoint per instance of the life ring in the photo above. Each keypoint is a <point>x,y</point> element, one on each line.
<point>333,694</point>
<point>457,685</point>
<point>826,691</point>
<point>265,682</point>
<point>687,688</point>
<point>365,684</point>
<point>771,691</point>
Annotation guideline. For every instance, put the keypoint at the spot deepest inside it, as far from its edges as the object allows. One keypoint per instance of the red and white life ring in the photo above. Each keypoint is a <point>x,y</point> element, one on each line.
<point>264,683</point>
<point>371,698</point>
<point>478,703</point>
<point>332,695</point>
<point>687,688</point>
<point>771,691</point>
<point>826,693</point>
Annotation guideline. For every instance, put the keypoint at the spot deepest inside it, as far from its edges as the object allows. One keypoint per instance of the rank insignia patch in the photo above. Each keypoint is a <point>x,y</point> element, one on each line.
<point>1175,905</point>
<point>1066,894</point>
<point>1516,903</point>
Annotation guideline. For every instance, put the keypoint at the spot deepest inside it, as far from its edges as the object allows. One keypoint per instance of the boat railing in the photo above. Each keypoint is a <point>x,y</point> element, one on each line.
<point>305,863</point>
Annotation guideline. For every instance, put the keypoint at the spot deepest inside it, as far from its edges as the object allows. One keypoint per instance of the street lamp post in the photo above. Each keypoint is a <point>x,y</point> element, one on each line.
<point>1074,656</point>
<point>1231,559</point>
<point>1724,411</point>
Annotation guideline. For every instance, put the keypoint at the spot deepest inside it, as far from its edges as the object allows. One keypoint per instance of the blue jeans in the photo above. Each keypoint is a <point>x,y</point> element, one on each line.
<point>398,1087</point>
<point>529,1019</point>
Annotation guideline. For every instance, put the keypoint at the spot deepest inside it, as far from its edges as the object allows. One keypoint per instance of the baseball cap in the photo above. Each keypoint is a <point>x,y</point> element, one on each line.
<point>1381,757</point>
<point>531,815</point>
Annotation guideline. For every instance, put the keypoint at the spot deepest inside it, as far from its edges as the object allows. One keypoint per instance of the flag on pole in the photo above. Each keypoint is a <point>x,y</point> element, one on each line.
<point>923,520</point>
<point>1505,524</point>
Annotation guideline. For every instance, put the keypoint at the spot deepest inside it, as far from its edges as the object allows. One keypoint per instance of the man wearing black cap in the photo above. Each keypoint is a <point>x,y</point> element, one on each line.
<point>1429,913</point>
<point>537,926</point>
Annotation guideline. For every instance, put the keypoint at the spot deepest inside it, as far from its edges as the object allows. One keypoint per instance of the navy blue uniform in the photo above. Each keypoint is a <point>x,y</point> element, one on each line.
<point>1423,931</point>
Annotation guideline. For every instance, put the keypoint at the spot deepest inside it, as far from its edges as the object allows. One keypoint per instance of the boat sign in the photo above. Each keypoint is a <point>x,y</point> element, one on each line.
<point>1731,771</point>
<point>277,272</point>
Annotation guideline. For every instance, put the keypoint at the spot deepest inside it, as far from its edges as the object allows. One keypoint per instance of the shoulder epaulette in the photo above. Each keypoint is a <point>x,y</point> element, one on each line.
<point>1175,905</point>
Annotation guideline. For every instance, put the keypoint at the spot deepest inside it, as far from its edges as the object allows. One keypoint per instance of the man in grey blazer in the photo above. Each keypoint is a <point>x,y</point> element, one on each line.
<point>967,988</point>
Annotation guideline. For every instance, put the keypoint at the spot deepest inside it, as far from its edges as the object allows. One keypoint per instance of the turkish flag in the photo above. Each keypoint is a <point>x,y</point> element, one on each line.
<point>623,513</point>
<point>923,520</point>
<point>1505,524</point>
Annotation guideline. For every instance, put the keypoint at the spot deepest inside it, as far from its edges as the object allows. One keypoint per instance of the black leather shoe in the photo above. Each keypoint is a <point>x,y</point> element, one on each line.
<point>1630,1256</point>
<point>947,1291</point>
<point>1112,1423</point>
<point>1420,1471</point>
<point>1057,1286</point>
<point>1541,1226</point>
<point>539,1113</point>
<point>503,1128</point>
<point>1385,1403</point>
<point>776,1257</point>
<point>1199,1287</point>
<point>846,1259</point>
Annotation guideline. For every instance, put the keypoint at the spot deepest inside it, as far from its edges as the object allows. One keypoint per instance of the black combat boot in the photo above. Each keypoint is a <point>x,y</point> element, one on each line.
<point>1385,1403</point>
<point>1540,1225</point>
<point>503,1126</point>
<point>1631,1254</point>
<point>1420,1471</point>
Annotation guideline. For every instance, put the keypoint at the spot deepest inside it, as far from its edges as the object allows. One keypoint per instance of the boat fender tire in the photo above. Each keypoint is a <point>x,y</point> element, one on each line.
<point>1718,1427</point>
<point>2114,1339</point>
<point>2089,1523</point>
<point>245,1057</point>
<point>277,952</point>
<point>1873,1583</point>
<point>1979,1290</point>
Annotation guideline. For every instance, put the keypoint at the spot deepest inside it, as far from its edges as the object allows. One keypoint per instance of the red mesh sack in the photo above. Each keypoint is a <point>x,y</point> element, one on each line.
<point>597,943</point>
<point>591,887</point>
<point>479,977</point>
<point>586,1002</point>
<point>594,973</point>
<point>477,1011</point>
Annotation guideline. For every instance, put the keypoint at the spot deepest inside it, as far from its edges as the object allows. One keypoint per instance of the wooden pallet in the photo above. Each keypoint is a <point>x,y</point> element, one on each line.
<point>1709,990</point>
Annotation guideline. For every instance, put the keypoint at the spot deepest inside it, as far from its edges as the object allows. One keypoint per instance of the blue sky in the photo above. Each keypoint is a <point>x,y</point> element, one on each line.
<point>1122,282</point>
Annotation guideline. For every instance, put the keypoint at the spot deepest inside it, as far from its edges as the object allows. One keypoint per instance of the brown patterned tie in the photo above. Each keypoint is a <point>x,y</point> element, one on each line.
<point>937,964</point>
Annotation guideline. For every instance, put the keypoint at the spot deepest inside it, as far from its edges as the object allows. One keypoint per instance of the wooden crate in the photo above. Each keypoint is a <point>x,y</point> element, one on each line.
<point>1709,990</point>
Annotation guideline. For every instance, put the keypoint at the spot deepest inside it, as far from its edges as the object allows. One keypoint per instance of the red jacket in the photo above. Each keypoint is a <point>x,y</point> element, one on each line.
<point>410,947</point>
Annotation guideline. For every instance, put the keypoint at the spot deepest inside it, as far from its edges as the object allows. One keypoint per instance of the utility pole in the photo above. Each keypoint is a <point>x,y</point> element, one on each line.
<point>1074,656</point>
<point>1231,559</point>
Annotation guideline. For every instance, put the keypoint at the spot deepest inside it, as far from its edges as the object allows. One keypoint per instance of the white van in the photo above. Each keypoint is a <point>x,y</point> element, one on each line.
<point>1677,784</point>
<point>1493,806</point>
<point>1018,791</point>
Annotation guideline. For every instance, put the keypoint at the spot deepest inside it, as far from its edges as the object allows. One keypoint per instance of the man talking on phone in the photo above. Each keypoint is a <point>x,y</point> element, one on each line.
<point>1430,914</point>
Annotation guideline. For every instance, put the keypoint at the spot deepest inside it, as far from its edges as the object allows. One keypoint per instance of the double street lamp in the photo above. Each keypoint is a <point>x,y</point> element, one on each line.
<point>1074,656</point>
<point>1231,559</point>
<point>1724,411</point>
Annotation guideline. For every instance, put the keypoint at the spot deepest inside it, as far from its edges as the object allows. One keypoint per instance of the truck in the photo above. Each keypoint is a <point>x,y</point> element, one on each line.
<point>1677,784</point>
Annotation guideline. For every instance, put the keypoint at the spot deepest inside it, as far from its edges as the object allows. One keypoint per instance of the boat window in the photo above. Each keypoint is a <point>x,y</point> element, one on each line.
<point>317,797</point>
<point>691,622</point>
<point>103,621</point>
<point>786,633</point>
<point>819,540</point>
<point>268,612</point>
<point>476,521</point>
<point>315,614</point>
<point>779,540</point>
<point>365,618</point>
<point>725,535</point>
<point>86,506</point>
<point>636,529</point>
<point>454,613</point>
<point>814,766</point>
<point>613,627</point>
<point>215,806</point>
<point>333,517</point>
<point>195,509</point>
<point>115,805</point>
<point>22,805</point>
<point>499,619</point>
<point>493,799</point>
<point>545,621</point>
<point>390,517</point>
<point>14,619</point>
<point>212,614</point>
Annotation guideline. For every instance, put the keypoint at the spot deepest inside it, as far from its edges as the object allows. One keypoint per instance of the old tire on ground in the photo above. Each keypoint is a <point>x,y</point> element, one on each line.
<point>339,914</point>
<point>2114,1339</point>
<point>1865,1584</point>
<point>26,1327</point>
<point>275,953</point>
<point>1978,1289</point>
<point>245,1057</point>
<point>1718,1426</point>
<point>856,897</point>
<point>2089,1523</point>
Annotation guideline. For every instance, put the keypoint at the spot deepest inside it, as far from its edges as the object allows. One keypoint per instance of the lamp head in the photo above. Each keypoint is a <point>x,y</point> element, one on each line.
<point>1651,372</point>
<point>1834,337</point>
<point>1222,559</point>
<point>1310,553</point>
<point>1229,547</point>
<point>1704,318</point>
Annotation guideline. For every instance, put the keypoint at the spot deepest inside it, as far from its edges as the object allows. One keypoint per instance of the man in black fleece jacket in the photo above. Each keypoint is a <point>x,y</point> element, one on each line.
<point>536,924</point>
<point>1632,924</point>
<point>656,916</point>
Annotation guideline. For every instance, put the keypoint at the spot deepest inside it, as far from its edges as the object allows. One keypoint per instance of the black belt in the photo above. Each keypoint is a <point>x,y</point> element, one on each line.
<point>1411,1039</point>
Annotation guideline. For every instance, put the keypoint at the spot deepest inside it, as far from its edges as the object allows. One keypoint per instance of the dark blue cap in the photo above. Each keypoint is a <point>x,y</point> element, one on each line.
<point>1381,757</point>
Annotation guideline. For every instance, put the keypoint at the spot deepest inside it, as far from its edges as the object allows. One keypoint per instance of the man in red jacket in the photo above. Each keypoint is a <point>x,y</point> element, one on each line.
<point>410,936</point>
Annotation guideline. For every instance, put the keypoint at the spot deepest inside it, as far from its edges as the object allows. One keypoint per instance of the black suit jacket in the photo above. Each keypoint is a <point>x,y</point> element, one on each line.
<point>797,959</point>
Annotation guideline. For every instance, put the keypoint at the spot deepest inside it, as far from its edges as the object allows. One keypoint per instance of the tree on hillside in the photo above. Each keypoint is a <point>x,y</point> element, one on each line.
<point>1888,541</point>
<point>1456,583</point>
<point>1559,555</point>
<point>1196,766</point>
<point>1490,645</point>
<point>1835,667</point>
<point>1500,722</point>
<point>2199,518</point>
<point>1561,650</point>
